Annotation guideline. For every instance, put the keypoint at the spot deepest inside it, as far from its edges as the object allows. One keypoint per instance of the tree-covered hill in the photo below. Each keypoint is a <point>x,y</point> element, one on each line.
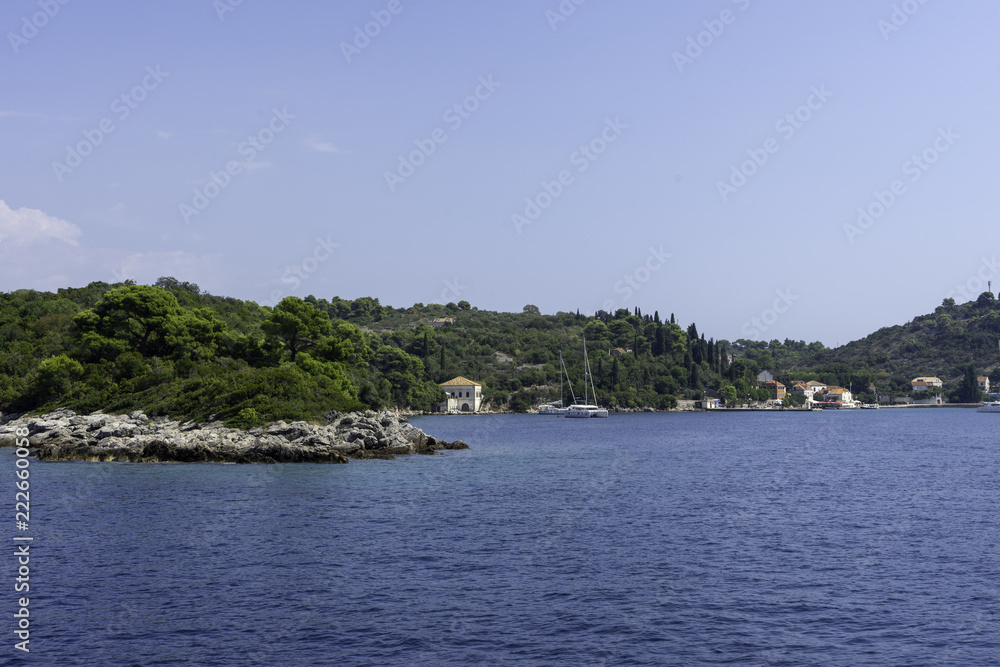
<point>939,344</point>
<point>171,349</point>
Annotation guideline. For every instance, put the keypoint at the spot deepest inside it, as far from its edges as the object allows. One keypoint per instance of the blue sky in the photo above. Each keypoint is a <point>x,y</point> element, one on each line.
<point>707,159</point>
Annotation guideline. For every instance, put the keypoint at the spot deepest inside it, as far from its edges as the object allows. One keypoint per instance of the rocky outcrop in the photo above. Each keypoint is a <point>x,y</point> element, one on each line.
<point>66,436</point>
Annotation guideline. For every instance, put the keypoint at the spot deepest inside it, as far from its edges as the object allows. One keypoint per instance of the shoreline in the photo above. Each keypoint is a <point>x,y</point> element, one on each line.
<point>63,435</point>
<point>623,411</point>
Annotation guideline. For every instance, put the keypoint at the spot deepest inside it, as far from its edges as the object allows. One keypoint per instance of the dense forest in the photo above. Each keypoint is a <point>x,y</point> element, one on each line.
<point>171,349</point>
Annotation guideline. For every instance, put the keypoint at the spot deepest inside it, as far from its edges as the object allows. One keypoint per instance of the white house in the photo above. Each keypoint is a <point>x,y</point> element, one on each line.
<point>464,395</point>
<point>984,383</point>
<point>925,383</point>
<point>840,394</point>
<point>808,389</point>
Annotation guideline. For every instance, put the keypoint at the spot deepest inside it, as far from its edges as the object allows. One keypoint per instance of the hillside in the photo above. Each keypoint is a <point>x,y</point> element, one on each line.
<point>938,344</point>
<point>170,349</point>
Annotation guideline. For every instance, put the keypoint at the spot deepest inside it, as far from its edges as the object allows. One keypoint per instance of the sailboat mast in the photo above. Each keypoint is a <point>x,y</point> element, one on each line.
<point>560,379</point>
<point>586,371</point>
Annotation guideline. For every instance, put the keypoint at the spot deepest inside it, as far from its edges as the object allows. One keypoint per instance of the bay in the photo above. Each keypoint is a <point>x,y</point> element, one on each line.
<point>833,538</point>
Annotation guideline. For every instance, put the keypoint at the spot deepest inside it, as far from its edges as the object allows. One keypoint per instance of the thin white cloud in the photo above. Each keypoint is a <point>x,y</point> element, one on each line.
<point>146,267</point>
<point>314,143</point>
<point>65,266</point>
<point>30,225</point>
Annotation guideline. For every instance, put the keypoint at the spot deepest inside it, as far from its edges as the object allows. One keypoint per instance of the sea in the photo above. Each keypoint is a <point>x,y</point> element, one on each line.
<point>758,538</point>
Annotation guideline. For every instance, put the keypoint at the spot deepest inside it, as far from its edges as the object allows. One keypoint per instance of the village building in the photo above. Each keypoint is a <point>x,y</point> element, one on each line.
<point>925,383</point>
<point>809,390</point>
<point>464,395</point>
<point>711,401</point>
<point>984,383</point>
<point>839,395</point>
<point>778,391</point>
<point>441,321</point>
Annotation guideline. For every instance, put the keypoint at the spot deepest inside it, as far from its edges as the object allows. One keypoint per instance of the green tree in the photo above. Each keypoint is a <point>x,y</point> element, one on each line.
<point>345,344</point>
<point>56,376</point>
<point>139,314</point>
<point>520,401</point>
<point>296,324</point>
<point>968,389</point>
<point>195,334</point>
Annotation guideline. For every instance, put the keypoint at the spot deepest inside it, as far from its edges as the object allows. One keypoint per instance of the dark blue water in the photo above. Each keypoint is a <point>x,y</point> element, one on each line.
<point>835,538</point>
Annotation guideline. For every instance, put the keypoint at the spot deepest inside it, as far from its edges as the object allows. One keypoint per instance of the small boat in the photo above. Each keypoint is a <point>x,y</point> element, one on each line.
<point>870,406</point>
<point>552,410</point>
<point>990,406</point>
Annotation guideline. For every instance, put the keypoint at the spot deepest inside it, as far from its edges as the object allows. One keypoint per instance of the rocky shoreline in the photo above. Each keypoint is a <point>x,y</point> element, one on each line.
<point>64,435</point>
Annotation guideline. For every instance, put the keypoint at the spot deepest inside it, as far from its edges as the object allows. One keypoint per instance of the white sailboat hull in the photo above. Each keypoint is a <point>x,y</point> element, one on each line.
<point>585,412</point>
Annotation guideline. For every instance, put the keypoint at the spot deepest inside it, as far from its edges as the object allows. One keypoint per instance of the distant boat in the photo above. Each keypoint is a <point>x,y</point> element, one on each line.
<point>869,406</point>
<point>552,409</point>
<point>586,410</point>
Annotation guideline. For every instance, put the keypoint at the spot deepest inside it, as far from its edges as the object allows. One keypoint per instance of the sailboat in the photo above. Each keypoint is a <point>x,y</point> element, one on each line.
<point>550,409</point>
<point>586,410</point>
